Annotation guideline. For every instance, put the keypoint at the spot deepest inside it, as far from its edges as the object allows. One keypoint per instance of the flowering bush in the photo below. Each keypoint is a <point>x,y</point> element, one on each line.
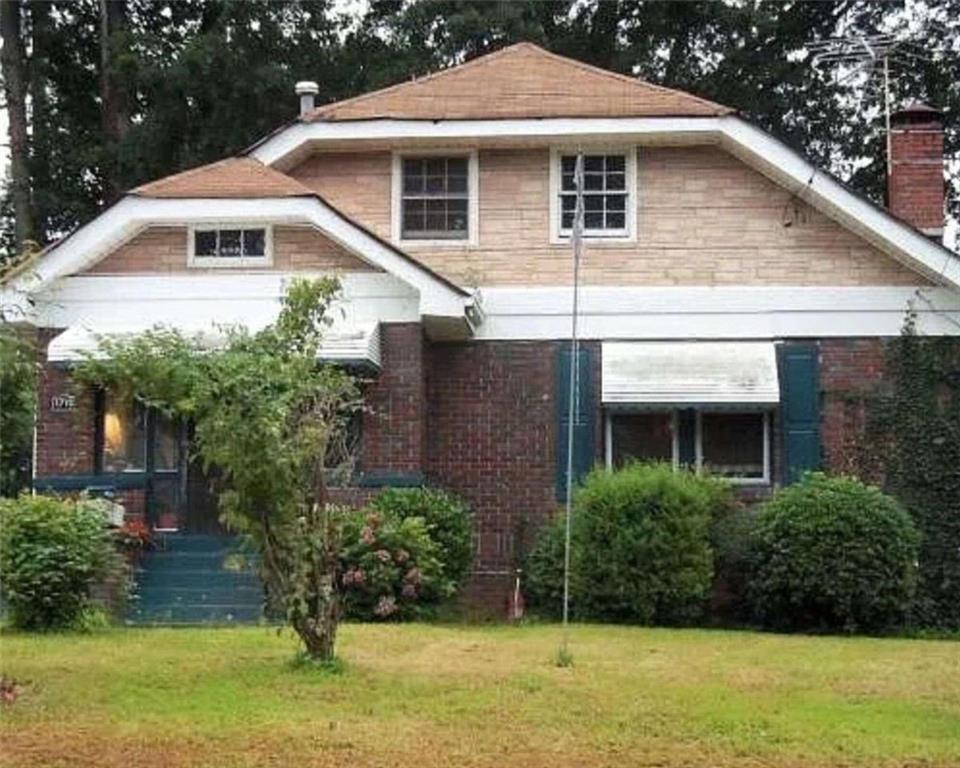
<point>133,537</point>
<point>390,568</point>
<point>447,519</point>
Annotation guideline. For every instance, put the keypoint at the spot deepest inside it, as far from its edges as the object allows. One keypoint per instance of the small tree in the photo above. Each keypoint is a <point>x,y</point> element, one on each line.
<point>267,415</point>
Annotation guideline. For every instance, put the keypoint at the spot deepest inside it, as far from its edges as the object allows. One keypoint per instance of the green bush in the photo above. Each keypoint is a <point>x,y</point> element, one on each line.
<point>640,547</point>
<point>731,537</point>
<point>447,519</point>
<point>52,551</point>
<point>833,554</point>
<point>390,568</point>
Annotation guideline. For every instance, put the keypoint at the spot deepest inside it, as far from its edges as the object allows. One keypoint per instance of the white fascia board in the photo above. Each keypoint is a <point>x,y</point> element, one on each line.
<point>131,214</point>
<point>760,312</point>
<point>288,141</point>
<point>751,144</point>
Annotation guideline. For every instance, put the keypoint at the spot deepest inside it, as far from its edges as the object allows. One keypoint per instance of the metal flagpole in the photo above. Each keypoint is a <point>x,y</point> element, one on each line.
<point>574,404</point>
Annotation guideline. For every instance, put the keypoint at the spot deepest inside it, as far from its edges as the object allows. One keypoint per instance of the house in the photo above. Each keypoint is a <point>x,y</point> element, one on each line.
<point>733,295</point>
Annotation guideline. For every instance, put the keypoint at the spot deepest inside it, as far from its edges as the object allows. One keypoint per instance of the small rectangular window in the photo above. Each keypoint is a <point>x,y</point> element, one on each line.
<point>641,437</point>
<point>229,246</point>
<point>734,445</point>
<point>435,198</point>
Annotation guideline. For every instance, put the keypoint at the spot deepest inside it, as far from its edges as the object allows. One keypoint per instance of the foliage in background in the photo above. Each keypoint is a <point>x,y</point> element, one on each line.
<point>833,554</point>
<point>447,519</point>
<point>18,400</point>
<point>391,567</point>
<point>52,553</point>
<point>640,547</point>
<point>192,82</point>
<point>266,414</point>
<point>913,443</point>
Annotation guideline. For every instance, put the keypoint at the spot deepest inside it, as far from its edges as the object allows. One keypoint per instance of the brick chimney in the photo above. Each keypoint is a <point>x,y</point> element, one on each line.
<point>915,188</point>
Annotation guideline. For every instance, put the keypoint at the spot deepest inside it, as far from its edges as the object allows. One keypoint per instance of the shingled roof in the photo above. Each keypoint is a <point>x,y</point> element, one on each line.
<point>520,81</point>
<point>235,177</point>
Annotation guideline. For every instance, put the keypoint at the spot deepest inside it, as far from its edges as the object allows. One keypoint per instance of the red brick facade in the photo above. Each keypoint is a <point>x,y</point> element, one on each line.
<point>479,419</point>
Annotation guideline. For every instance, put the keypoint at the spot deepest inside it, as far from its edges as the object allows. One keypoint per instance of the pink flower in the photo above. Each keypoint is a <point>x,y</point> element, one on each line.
<point>385,606</point>
<point>413,576</point>
<point>409,591</point>
<point>383,555</point>
<point>402,556</point>
<point>367,536</point>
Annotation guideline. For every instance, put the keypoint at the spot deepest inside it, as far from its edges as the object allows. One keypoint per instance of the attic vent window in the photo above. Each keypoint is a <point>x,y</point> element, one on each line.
<point>229,246</point>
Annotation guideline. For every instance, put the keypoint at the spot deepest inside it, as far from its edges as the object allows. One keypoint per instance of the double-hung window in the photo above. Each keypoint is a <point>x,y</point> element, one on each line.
<point>435,198</point>
<point>609,179</point>
<point>230,246</point>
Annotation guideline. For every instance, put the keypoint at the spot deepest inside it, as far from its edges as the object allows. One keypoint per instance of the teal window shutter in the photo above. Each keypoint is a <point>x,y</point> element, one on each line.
<point>800,409</point>
<point>583,425</point>
<point>687,437</point>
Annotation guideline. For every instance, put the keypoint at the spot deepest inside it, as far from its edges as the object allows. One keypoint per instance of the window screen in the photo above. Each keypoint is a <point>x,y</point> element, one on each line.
<point>124,435</point>
<point>230,243</point>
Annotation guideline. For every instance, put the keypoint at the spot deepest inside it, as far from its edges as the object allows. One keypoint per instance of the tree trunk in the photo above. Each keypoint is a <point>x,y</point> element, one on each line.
<point>113,108</point>
<point>13,62</point>
<point>41,172</point>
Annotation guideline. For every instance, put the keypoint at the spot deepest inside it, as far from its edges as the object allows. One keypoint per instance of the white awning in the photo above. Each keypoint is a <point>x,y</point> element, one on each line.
<point>342,343</point>
<point>689,373</point>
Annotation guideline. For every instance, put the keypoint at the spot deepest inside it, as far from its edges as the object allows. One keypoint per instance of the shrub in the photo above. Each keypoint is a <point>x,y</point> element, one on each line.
<point>831,553</point>
<point>390,568</point>
<point>447,519</point>
<point>640,549</point>
<point>731,532</point>
<point>52,551</point>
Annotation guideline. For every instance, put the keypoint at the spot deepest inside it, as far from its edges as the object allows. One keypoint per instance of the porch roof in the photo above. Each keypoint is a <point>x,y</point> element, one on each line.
<point>347,343</point>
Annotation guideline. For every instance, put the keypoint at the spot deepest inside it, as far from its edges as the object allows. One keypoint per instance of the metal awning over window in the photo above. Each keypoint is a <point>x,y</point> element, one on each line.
<point>687,374</point>
<point>342,343</point>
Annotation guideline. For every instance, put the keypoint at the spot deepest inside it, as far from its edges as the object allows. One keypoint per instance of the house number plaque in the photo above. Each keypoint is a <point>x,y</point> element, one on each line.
<point>63,402</point>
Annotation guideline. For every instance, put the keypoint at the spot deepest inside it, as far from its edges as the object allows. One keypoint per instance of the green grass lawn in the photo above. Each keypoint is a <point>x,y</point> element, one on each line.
<point>417,695</point>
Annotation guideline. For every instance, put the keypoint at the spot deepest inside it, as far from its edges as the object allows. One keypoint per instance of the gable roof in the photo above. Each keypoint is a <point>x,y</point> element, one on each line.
<point>520,81</point>
<point>235,177</point>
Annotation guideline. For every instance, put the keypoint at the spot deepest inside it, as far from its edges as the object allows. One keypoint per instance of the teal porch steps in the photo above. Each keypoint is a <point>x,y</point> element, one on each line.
<point>196,579</point>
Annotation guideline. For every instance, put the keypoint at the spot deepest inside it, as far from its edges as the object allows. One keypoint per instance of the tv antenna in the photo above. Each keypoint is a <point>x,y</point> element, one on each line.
<point>868,59</point>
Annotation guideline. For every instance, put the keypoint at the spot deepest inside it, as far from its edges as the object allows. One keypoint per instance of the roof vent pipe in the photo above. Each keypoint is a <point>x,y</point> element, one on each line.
<point>307,90</point>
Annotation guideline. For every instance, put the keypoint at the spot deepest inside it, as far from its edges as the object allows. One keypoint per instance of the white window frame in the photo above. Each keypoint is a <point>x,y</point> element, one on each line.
<point>473,199</point>
<point>765,480</point>
<point>629,233</point>
<point>219,262</point>
<point>608,432</point>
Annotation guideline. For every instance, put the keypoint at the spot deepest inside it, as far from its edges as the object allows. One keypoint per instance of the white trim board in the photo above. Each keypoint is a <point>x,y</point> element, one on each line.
<point>233,297</point>
<point>760,312</point>
<point>755,147</point>
<point>132,214</point>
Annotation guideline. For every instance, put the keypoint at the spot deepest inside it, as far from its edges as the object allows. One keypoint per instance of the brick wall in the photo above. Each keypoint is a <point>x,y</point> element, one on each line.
<point>164,250</point>
<point>394,429</point>
<point>850,370</point>
<point>703,218</point>
<point>65,439</point>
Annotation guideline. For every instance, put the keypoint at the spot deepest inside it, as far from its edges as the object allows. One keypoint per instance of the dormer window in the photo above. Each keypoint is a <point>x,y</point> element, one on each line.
<point>609,200</point>
<point>230,246</point>
<point>435,198</point>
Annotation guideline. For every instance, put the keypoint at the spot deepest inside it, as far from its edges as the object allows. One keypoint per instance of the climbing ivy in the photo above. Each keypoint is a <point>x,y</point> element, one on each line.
<point>913,437</point>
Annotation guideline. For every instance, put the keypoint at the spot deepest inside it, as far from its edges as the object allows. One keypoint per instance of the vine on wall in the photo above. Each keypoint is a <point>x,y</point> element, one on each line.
<point>911,443</point>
